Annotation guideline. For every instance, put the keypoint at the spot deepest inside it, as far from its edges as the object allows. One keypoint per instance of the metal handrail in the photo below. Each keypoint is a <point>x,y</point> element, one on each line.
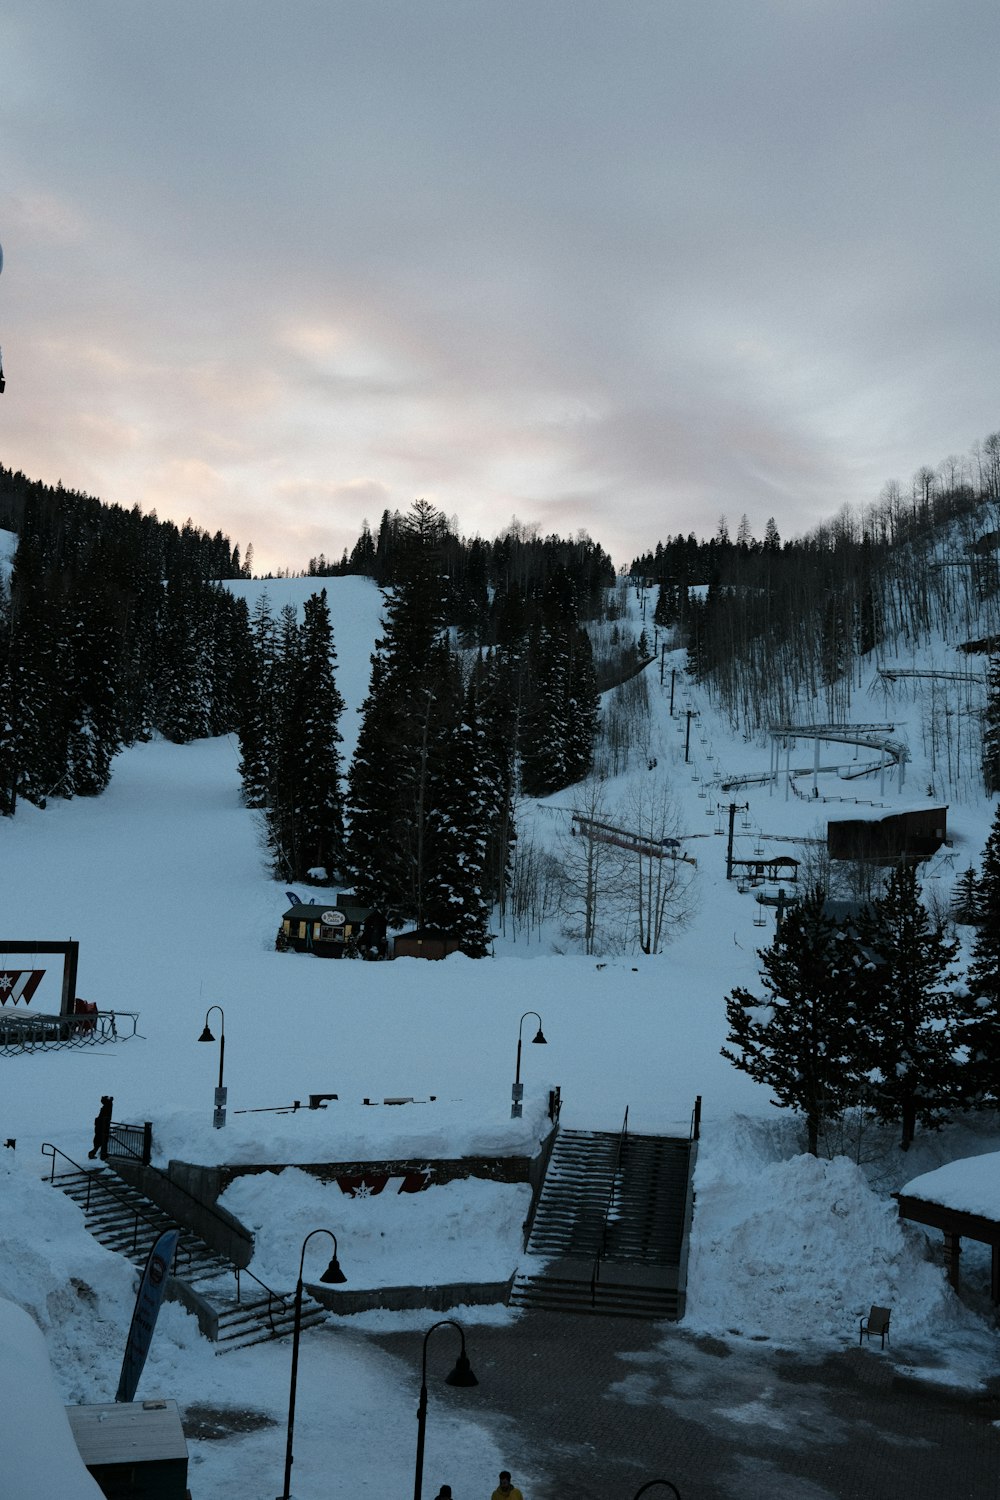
<point>48,1149</point>
<point>272,1296</point>
<point>595,1274</point>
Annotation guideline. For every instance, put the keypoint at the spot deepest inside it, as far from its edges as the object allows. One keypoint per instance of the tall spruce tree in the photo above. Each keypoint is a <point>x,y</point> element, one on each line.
<point>800,1039</point>
<point>406,720</point>
<point>257,721</point>
<point>316,838</point>
<point>911,1015</point>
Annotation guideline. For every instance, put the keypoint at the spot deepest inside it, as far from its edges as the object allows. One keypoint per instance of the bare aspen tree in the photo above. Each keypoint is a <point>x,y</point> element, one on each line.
<point>591,875</point>
<point>662,882</point>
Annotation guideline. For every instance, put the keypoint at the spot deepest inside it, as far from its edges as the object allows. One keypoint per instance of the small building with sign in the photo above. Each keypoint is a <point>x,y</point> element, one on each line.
<point>329,930</point>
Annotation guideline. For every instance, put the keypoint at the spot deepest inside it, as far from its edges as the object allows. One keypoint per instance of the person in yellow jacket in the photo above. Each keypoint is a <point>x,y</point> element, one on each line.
<point>505,1490</point>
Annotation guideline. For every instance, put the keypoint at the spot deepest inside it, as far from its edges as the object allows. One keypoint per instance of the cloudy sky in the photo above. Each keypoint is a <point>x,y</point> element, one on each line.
<point>624,266</point>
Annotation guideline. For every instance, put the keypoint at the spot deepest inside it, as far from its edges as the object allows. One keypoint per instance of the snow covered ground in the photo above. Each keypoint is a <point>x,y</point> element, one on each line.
<point>162,882</point>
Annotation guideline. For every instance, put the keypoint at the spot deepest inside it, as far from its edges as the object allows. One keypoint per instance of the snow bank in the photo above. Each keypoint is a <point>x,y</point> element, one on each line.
<point>38,1453</point>
<point>348,1131</point>
<point>799,1249</point>
<point>467,1231</point>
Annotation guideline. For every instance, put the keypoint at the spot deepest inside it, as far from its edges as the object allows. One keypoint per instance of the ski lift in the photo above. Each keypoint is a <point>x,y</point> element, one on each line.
<point>760,920</point>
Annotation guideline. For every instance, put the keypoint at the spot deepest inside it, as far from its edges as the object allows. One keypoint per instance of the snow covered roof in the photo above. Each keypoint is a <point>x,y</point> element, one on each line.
<point>970,1185</point>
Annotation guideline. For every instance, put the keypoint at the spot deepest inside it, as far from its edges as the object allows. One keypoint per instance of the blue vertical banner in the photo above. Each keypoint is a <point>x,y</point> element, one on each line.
<point>147,1306</point>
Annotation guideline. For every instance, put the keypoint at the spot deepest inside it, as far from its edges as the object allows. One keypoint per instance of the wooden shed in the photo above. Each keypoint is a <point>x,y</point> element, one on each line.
<point>904,836</point>
<point>331,929</point>
<point>425,942</point>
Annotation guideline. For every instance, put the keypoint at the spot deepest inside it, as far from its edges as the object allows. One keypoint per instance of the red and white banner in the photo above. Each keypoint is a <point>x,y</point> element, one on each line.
<point>368,1184</point>
<point>19,984</point>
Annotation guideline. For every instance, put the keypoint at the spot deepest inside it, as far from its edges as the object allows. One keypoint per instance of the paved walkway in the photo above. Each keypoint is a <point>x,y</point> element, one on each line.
<point>597,1406</point>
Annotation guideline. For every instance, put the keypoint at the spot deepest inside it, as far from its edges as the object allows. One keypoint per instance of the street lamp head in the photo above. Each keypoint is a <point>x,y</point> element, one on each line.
<point>333,1275</point>
<point>539,1037</point>
<point>462,1373</point>
<point>206,1035</point>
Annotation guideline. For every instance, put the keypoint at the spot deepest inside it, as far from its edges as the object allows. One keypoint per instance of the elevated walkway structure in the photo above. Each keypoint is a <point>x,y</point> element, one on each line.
<point>892,752</point>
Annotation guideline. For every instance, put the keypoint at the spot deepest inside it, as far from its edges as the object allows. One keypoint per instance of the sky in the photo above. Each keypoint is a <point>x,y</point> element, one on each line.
<point>624,268</point>
<point>786,1251</point>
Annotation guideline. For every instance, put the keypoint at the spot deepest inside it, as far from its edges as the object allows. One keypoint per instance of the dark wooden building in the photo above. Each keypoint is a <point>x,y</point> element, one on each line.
<point>424,942</point>
<point>904,836</point>
<point>331,929</point>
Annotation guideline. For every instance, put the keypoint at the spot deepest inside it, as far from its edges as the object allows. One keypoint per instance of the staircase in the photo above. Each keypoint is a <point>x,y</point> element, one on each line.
<point>610,1227</point>
<point>208,1284</point>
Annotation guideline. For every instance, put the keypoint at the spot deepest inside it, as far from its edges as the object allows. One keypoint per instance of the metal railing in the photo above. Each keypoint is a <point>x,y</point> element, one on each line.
<point>105,1188</point>
<point>272,1296</point>
<point>131,1142</point>
<point>25,1033</point>
<point>595,1274</point>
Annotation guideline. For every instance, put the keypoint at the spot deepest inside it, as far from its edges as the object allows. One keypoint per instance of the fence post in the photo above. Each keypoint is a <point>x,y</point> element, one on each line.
<point>147,1143</point>
<point>696,1122</point>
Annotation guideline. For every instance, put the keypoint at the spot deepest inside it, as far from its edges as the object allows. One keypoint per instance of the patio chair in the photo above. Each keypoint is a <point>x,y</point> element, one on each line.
<point>877,1322</point>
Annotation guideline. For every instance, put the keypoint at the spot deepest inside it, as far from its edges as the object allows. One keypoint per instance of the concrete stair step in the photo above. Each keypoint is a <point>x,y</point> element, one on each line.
<point>555,1294</point>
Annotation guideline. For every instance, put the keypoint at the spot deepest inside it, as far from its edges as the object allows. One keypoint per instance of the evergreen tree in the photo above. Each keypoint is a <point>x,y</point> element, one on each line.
<point>91,694</point>
<point>492,705</point>
<point>455,897</point>
<point>316,839</point>
<point>183,699</point>
<point>911,1020</point>
<point>256,725</point>
<point>801,1038</point>
<point>546,722</point>
<point>282,778</point>
<point>583,707</point>
<point>983,1032</point>
<point>406,720</point>
<point>965,900</point>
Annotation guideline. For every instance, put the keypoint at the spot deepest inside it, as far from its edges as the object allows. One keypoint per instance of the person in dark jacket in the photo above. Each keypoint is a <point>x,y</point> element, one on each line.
<point>102,1128</point>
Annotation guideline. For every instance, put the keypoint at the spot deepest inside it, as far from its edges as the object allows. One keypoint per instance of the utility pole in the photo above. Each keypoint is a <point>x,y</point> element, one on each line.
<point>692,713</point>
<point>734,808</point>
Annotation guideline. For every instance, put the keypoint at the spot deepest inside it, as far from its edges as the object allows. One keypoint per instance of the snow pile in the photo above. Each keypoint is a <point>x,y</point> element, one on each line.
<point>466,1231</point>
<point>32,1404</point>
<point>80,1295</point>
<point>799,1249</point>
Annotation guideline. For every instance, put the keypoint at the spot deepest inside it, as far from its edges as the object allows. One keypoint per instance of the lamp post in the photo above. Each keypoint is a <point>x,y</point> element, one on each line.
<point>219,1114</point>
<point>649,1485</point>
<point>517,1092</point>
<point>333,1275</point>
<point>460,1375</point>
